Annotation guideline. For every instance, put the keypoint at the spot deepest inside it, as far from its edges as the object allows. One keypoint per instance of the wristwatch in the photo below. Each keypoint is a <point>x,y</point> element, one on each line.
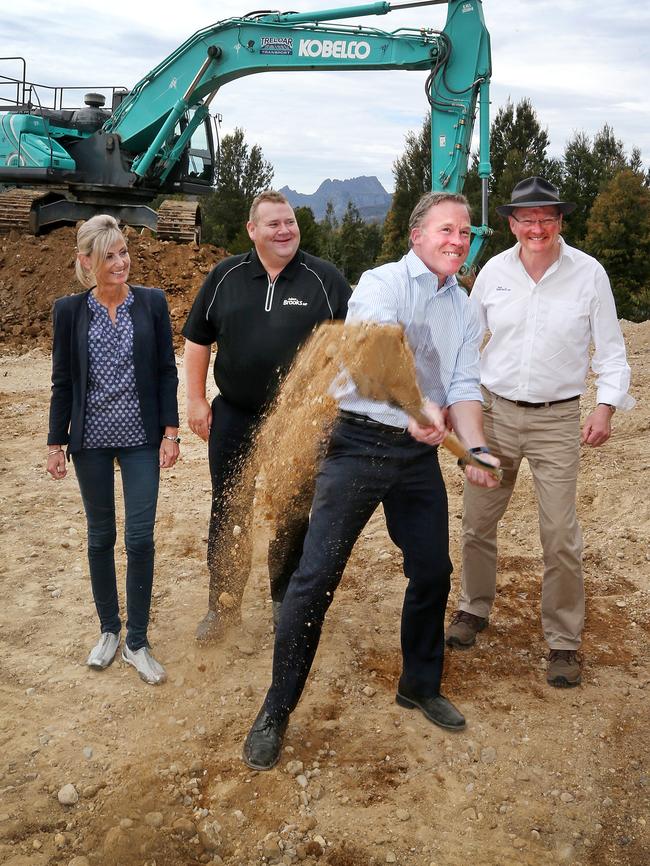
<point>176,439</point>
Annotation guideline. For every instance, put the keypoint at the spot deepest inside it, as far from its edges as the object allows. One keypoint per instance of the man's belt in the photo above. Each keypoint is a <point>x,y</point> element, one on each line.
<point>365,421</point>
<point>528,405</point>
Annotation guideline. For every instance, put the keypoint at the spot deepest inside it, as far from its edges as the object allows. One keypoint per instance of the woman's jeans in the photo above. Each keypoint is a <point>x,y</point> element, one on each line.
<point>140,472</point>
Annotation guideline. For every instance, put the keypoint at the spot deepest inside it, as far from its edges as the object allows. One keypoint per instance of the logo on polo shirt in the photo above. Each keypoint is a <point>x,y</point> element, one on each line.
<point>294,302</point>
<point>502,289</point>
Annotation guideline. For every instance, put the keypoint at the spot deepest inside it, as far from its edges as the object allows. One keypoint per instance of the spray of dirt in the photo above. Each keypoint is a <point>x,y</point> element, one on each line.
<point>292,439</point>
<point>282,464</point>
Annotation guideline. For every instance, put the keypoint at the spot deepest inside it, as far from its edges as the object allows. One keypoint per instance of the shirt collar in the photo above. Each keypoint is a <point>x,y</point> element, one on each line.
<point>416,268</point>
<point>289,271</point>
<point>95,307</point>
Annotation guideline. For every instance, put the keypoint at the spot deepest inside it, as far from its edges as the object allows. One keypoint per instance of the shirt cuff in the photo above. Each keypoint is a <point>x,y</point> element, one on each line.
<point>459,395</point>
<point>624,402</point>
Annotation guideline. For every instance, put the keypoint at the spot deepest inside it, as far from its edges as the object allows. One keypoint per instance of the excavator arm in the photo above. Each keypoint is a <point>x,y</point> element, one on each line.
<point>186,82</point>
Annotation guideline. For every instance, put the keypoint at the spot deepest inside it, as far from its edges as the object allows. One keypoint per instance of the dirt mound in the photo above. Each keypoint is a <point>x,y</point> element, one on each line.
<point>35,271</point>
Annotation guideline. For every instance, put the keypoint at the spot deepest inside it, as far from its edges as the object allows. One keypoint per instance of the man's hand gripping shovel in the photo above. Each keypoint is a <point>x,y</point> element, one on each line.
<point>381,364</point>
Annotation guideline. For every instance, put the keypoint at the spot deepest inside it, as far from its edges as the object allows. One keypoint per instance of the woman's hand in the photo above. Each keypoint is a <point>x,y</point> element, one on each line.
<point>56,462</point>
<point>169,451</point>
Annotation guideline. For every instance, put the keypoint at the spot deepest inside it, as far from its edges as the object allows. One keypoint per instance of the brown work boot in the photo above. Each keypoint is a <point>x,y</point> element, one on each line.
<point>563,670</point>
<point>464,628</point>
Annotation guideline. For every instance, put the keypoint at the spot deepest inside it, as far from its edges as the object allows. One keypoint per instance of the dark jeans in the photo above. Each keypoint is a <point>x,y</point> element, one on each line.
<point>140,475</point>
<point>229,555</point>
<point>363,468</point>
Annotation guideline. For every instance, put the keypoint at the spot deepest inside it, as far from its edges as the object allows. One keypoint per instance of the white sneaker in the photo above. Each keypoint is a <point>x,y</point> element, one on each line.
<point>150,670</point>
<point>104,652</point>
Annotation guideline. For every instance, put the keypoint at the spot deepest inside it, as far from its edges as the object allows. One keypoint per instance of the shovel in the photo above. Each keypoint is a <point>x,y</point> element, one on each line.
<point>381,365</point>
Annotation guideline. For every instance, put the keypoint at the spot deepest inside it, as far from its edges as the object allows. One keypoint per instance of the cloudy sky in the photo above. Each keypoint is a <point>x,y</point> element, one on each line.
<point>583,63</point>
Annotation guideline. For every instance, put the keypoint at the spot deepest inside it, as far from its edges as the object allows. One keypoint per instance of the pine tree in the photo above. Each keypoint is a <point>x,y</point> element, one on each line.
<point>351,243</point>
<point>310,233</point>
<point>243,174</point>
<point>587,167</point>
<point>518,147</point>
<point>618,235</point>
<point>329,232</point>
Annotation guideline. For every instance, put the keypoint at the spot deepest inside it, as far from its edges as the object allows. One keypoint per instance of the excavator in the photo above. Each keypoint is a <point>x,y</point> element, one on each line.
<point>60,165</point>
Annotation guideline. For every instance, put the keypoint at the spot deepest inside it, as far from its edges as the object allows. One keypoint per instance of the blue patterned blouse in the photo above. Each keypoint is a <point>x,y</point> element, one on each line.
<point>113,418</point>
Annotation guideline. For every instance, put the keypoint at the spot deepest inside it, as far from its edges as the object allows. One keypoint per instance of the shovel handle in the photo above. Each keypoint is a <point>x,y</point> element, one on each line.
<point>453,444</point>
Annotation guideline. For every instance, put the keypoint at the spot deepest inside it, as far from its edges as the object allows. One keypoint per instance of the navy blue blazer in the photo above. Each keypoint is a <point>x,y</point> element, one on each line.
<point>153,359</point>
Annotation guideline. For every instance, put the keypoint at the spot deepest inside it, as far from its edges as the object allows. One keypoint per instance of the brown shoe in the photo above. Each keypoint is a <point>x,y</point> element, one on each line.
<point>563,670</point>
<point>464,628</point>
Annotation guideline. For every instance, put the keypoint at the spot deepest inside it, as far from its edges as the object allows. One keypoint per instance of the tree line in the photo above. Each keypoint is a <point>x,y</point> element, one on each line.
<point>610,187</point>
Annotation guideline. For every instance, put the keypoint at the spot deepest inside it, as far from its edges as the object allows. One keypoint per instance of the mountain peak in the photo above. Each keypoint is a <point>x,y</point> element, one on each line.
<point>365,192</point>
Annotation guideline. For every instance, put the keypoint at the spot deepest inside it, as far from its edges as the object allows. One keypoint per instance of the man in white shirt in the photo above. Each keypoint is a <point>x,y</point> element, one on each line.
<point>544,303</point>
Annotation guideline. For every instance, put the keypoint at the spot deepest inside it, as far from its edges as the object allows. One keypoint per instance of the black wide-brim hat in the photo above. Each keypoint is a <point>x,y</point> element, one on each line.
<point>535,192</point>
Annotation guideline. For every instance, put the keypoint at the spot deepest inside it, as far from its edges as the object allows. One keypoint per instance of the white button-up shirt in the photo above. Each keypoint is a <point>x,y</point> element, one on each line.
<point>540,333</point>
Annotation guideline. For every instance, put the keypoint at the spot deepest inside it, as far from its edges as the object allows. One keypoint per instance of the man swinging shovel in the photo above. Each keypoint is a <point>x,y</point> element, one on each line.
<point>377,454</point>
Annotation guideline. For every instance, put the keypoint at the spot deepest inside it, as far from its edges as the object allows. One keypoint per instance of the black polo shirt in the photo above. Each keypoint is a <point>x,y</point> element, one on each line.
<point>259,324</point>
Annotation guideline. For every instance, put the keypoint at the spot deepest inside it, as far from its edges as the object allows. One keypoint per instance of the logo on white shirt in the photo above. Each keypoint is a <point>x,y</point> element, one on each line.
<point>294,302</point>
<point>502,289</point>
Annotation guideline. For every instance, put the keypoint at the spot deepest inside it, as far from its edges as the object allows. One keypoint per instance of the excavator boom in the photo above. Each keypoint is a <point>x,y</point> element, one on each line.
<point>140,149</point>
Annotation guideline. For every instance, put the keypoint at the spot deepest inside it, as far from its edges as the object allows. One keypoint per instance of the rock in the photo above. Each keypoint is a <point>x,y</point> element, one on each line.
<point>566,854</point>
<point>239,816</point>
<point>79,861</point>
<point>302,780</point>
<point>68,796</point>
<point>566,797</point>
<point>208,842</point>
<point>271,848</point>
<point>518,844</point>
<point>89,791</point>
<point>469,814</point>
<point>402,815</point>
<point>114,840</point>
<point>369,692</point>
<point>390,857</point>
<point>88,752</point>
<point>154,819</point>
<point>293,768</point>
<point>307,824</point>
<point>185,827</point>
<point>488,755</point>
<point>59,840</point>
<point>313,849</point>
<point>125,823</point>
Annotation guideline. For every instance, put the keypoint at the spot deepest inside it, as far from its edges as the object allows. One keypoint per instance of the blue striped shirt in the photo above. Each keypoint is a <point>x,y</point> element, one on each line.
<point>442,329</point>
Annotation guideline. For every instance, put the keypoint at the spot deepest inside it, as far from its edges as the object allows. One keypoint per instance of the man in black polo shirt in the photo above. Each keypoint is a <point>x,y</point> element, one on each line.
<point>258,307</point>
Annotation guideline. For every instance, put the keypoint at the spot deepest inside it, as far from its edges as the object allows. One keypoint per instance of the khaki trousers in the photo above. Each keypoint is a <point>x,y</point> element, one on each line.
<point>549,438</point>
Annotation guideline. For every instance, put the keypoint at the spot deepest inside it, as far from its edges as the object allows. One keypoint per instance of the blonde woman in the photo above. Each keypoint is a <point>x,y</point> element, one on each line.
<point>114,385</point>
